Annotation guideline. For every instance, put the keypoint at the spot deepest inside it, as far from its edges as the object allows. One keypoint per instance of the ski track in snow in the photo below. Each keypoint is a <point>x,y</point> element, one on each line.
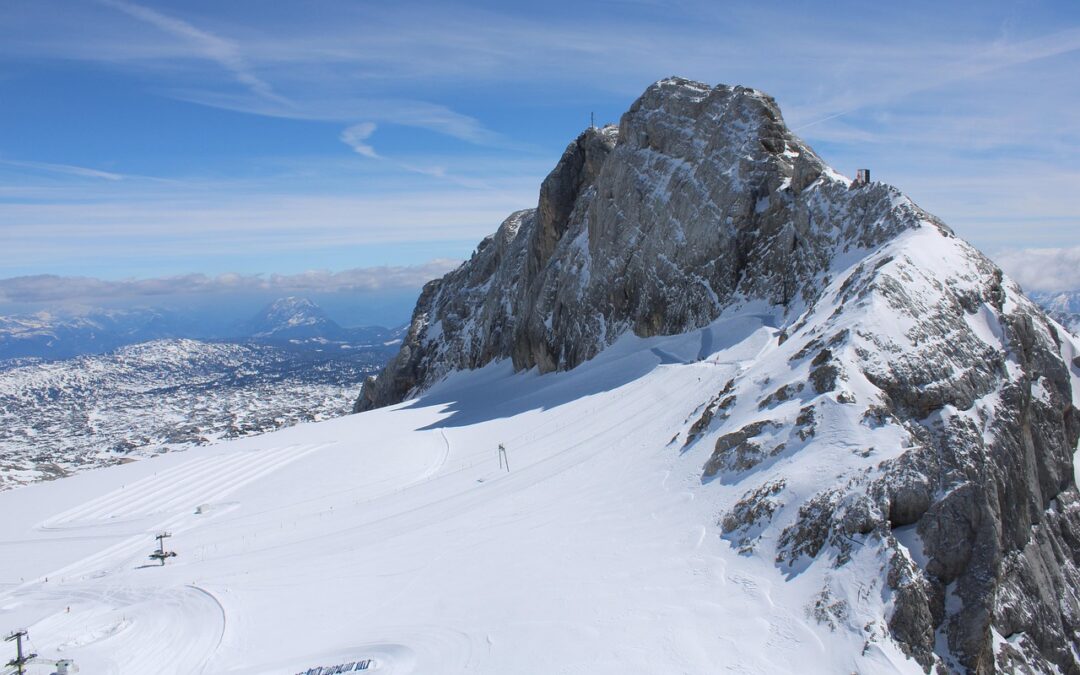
<point>395,536</point>
<point>181,488</point>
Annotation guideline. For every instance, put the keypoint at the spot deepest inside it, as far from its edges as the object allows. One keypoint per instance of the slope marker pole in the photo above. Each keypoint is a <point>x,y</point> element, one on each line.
<point>503,459</point>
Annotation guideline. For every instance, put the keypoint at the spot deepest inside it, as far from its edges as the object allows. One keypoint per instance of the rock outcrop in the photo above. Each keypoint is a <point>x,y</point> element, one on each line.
<point>909,436</point>
<point>950,404</point>
<point>700,198</point>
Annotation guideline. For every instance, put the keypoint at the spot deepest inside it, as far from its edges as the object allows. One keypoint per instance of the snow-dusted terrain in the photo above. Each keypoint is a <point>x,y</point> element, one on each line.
<point>61,336</point>
<point>60,417</point>
<point>394,535</point>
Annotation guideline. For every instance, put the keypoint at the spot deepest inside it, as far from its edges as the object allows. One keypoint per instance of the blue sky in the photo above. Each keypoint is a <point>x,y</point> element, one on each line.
<point>145,139</point>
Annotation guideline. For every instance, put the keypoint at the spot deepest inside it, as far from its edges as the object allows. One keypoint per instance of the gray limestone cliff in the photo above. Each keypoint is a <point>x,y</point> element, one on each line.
<point>962,515</point>
<point>699,198</point>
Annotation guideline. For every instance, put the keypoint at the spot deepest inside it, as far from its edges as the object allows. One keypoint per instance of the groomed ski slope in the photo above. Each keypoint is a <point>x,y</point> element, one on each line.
<point>393,535</point>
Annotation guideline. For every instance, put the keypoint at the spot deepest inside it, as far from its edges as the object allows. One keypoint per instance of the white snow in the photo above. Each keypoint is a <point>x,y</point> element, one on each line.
<point>394,535</point>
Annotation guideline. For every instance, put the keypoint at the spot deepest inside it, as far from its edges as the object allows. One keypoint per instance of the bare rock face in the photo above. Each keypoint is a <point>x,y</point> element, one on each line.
<point>908,440</point>
<point>965,394</point>
<point>989,483</point>
<point>699,199</point>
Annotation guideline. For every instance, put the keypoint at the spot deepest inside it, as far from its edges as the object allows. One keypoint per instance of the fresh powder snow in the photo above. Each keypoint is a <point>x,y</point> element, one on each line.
<point>394,536</point>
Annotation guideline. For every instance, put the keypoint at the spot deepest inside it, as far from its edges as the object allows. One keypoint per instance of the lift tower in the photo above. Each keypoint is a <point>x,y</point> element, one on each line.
<point>20,661</point>
<point>161,554</point>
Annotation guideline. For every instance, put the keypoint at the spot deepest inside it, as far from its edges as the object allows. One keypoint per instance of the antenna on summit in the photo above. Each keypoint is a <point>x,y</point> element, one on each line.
<point>592,120</point>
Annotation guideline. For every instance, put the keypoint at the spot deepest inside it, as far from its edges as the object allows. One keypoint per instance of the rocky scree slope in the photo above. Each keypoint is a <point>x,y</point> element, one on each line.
<point>910,435</point>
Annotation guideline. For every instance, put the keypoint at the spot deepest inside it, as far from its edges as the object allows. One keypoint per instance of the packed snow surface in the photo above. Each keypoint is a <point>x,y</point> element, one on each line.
<point>394,535</point>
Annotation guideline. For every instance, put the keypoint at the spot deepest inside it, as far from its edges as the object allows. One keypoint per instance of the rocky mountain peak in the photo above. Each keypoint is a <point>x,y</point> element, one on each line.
<point>291,317</point>
<point>577,170</point>
<point>903,443</point>
<point>700,198</point>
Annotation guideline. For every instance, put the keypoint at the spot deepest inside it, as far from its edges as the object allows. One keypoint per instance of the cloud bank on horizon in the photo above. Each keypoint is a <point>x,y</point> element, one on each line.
<point>47,288</point>
<point>1043,269</point>
<point>154,138</point>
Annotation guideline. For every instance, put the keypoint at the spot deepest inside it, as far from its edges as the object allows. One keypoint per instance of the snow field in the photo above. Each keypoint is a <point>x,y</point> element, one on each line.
<point>394,535</point>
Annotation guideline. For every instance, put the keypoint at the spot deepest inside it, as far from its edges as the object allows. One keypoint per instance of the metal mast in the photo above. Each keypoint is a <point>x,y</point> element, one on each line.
<point>161,554</point>
<point>20,661</point>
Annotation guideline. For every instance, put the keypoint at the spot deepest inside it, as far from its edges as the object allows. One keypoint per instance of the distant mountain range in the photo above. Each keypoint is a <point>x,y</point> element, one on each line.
<point>291,320</point>
<point>110,386</point>
<point>1064,306</point>
<point>50,336</point>
<point>295,320</point>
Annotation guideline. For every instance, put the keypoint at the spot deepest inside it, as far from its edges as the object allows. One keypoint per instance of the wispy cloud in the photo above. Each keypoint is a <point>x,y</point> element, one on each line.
<point>356,136</point>
<point>52,288</point>
<point>964,107</point>
<point>1043,269</point>
<point>344,108</point>
<point>350,211</point>
<point>938,73</point>
<point>313,65</point>
<point>66,169</point>
<point>225,53</point>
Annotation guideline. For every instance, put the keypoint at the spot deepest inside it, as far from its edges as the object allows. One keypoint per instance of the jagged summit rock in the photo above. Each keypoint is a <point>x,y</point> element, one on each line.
<point>908,437</point>
<point>699,199</point>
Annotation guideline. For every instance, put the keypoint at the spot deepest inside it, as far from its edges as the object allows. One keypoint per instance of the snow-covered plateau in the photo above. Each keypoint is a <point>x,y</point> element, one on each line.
<point>61,417</point>
<point>710,407</point>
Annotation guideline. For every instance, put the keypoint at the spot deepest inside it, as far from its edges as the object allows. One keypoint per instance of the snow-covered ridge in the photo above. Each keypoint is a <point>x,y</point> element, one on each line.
<point>292,317</point>
<point>906,442</point>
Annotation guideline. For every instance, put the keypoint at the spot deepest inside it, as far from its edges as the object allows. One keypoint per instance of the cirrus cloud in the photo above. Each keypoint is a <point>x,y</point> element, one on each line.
<point>355,137</point>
